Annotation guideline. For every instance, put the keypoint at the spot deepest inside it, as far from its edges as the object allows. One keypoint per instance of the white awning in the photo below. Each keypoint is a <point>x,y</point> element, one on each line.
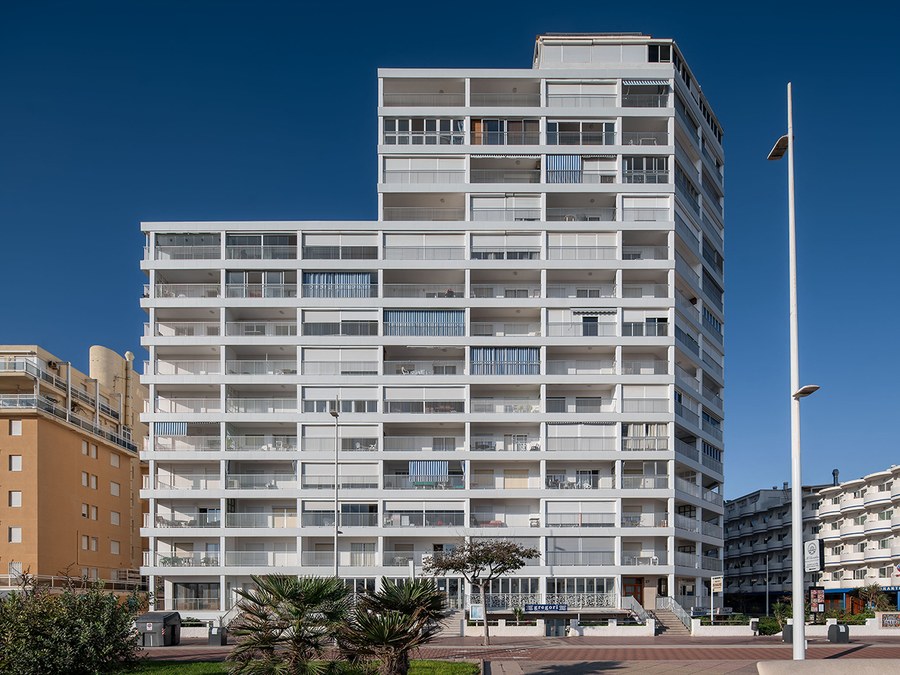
<point>658,83</point>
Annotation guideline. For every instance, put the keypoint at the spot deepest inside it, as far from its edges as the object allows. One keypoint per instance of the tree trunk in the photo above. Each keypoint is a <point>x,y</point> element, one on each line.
<point>486,636</point>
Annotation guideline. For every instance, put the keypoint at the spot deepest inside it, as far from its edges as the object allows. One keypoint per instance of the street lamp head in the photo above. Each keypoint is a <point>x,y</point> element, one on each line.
<point>805,391</point>
<point>781,146</point>
<point>334,413</point>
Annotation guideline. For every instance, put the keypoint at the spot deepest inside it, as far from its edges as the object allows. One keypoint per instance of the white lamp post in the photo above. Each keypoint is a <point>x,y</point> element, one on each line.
<point>335,413</point>
<point>786,143</point>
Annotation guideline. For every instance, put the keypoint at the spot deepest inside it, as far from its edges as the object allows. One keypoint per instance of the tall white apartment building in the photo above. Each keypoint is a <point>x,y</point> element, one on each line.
<point>526,345</point>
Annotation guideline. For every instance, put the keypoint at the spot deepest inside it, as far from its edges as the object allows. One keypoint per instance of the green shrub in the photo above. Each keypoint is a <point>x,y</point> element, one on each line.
<point>768,625</point>
<point>81,631</point>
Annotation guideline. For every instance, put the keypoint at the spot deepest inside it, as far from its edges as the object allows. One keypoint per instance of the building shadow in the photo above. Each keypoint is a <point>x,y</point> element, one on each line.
<point>582,668</point>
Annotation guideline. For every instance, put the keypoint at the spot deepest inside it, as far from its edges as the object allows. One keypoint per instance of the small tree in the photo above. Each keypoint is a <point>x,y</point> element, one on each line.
<point>479,562</point>
<point>874,597</point>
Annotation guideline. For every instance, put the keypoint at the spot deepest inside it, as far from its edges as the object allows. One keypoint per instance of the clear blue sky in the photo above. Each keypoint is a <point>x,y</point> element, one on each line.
<point>116,112</point>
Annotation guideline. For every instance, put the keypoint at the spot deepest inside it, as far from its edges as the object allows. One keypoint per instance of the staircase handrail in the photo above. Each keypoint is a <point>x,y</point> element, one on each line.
<point>229,616</point>
<point>630,603</point>
<point>670,604</point>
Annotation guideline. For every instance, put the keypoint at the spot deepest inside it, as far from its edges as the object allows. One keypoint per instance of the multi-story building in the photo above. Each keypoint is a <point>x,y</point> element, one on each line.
<point>70,471</point>
<point>856,521</point>
<point>758,545</point>
<point>527,344</point>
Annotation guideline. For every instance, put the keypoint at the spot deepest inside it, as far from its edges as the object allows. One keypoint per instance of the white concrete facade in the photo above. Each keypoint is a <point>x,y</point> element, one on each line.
<point>527,344</point>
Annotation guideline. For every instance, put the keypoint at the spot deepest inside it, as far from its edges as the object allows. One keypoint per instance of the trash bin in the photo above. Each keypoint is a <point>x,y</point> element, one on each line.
<point>218,636</point>
<point>787,634</point>
<point>754,626</point>
<point>159,629</point>
<point>839,633</point>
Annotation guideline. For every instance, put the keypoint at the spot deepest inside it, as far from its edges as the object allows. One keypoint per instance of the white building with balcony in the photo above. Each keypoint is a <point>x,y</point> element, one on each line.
<point>857,521</point>
<point>527,344</point>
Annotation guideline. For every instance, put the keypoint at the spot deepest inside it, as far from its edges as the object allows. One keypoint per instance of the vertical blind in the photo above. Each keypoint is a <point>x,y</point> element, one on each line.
<point>505,361</point>
<point>424,322</point>
<point>338,284</point>
<point>563,168</point>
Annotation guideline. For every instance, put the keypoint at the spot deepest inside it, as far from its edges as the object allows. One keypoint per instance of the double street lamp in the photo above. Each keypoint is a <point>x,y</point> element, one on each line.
<point>335,413</point>
<point>786,144</point>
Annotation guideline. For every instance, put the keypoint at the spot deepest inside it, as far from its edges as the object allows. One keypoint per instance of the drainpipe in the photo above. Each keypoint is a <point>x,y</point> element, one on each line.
<point>68,390</point>
<point>97,403</point>
<point>126,412</point>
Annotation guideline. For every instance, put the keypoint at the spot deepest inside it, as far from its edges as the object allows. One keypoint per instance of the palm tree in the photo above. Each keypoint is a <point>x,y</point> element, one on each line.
<point>287,623</point>
<point>388,624</point>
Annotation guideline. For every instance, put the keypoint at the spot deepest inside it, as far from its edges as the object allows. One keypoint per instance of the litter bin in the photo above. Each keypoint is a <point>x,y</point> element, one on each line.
<point>159,629</point>
<point>787,634</point>
<point>218,636</point>
<point>754,626</point>
<point>839,633</point>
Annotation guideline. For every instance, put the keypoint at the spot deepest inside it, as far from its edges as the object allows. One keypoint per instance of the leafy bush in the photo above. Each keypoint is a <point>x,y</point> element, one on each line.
<point>81,631</point>
<point>768,625</point>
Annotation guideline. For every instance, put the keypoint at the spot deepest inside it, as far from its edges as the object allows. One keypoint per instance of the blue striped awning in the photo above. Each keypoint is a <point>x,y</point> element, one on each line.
<point>657,83</point>
<point>439,468</point>
<point>170,428</point>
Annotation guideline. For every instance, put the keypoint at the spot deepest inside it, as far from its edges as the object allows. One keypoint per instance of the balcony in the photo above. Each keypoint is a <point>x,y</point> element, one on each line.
<point>639,560</point>
<point>423,177</point>
<point>424,443</point>
<point>505,406</point>
<point>261,291</point>
<point>585,290</point>
<point>581,444</point>
<point>688,450</point>
<point>183,559</point>
<point>505,291</point>
<point>424,519</point>
<point>645,367</point>
<point>580,558</point>
<point>582,480</point>
<point>645,100</point>
<point>428,100</point>
<point>638,329</point>
<point>182,329</point>
<point>645,253</point>
<point>348,482</point>
<point>687,523</point>
<point>505,214</point>
<point>579,329</point>
<point>188,405</point>
<point>261,443</point>
<point>506,253</point>
<point>186,291</point>
<point>338,290</point>
<point>262,520</point>
<point>581,520</point>
<point>645,444</point>
<point>645,138</point>
<point>506,443</point>
<point>259,328</point>
<point>581,253</point>
<point>260,405</point>
<point>188,481</point>
<point>630,291</point>
<point>261,481</point>
<point>656,215</point>
<point>581,214</point>
<point>632,482</point>
<point>581,367</point>
<point>423,407</point>
<point>505,175</point>
<point>645,519</point>
<point>186,444</point>
<point>261,559</point>
<point>340,252</point>
<point>326,519</point>
<point>185,519</point>
<point>407,482</point>
<point>212,252</point>
<point>347,368</point>
<point>645,177</point>
<point>340,328</point>
<point>491,329</point>
<point>424,290</point>
<point>265,252</point>
<point>581,100</point>
<point>181,367</point>
<point>424,368</point>
<point>576,176</point>
<point>265,367</point>
<point>506,137</point>
<point>645,405</point>
<point>424,252</point>
<point>505,99</point>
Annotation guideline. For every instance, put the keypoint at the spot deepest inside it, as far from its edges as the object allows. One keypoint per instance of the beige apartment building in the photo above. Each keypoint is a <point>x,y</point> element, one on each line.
<point>69,470</point>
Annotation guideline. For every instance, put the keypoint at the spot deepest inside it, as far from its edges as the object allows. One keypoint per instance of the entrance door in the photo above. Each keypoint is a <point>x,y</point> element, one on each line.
<point>590,326</point>
<point>633,586</point>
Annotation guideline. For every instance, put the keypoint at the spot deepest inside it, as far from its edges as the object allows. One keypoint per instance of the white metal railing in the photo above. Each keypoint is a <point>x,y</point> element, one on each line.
<point>580,481</point>
<point>407,482</point>
<point>429,99</point>
<point>645,291</point>
<point>584,600</point>
<point>645,367</point>
<point>424,290</point>
<point>436,443</point>
<point>580,558</point>
<point>645,405</point>
<point>187,481</point>
<point>645,443</point>
<point>687,486</point>
<point>504,99</point>
<point>180,367</point>
<point>581,444</point>
<point>640,614</point>
<point>424,252</point>
<point>645,138</point>
<point>581,100</point>
<point>262,520</point>
<point>182,329</point>
<point>186,443</point>
<point>581,329</point>
<point>260,328</point>
<point>523,329</point>
<point>581,253</point>
<point>187,291</point>
<point>581,519</point>
<point>687,449</point>
<point>580,213</point>
<point>687,523</point>
<point>339,367</point>
<point>504,405</point>
<point>426,213</point>
<point>188,405</point>
<point>512,443</point>
<point>634,214</point>
<point>668,604</point>
<point>260,481</point>
<point>505,291</point>
<point>266,367</point>
<point>645,519</point>
<point>261,443</point>
<point>423,177</point>
<point>581,366</point>
<point>585,290</point>
<point>633,482</point>
<point>260,405</point>
<point>424,367</point>
<point>509,175</point>
<point>211,252</point>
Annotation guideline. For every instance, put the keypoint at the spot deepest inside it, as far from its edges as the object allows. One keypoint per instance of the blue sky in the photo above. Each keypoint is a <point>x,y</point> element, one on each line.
<point>117,112</point>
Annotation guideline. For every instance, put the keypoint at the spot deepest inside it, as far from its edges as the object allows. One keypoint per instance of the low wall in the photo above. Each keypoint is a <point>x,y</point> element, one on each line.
<point>194,632</point>
<point>719,631</point>
<point>612,630</point>
<point>648,630</point>
<point>507,631</point>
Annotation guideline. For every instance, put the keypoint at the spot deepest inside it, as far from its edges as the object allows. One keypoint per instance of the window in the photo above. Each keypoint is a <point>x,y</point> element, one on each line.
<point>816,529</point>
<point>93,482</point>
<point>84,478</point>
<point>114,488</point>
<point>884,543</point>
<point>94,543</point>
<point>886,572</point>
<point>84,448</point>
<point>859,574</point>
<point>93,513</point>
<point>114,547</point>
<point>93,451</point>
<point>84,510</point>
<point>114,517</point>
<point>15,462</point>
<point>860,520</point>
<point>885,515</point>
<point>85,542</point>
<point>15,427</point>
<point>114,459</point>
<point>659,53</point>
<point>422,131</point>
<point>14,535</point>
<point>15,498</point>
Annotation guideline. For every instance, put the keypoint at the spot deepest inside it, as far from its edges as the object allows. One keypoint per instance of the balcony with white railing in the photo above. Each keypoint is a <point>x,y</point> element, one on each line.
<point>638,482</point>
<point>429,368</point>
<point>181,367</point>
<point>424,253</point>
<point>578,100</point>
<point>340,290</point>
<point>182,329</point>
<point>261,559</point>
<point>579,558</point>
<point>261,481</point>
<point>645,519</point>
<point>581,444</point>
<point>503,406</point>
<point>505,329</point>
<point>644,559</point>
<point>581,520</point>
<point>505,290</point>
<point>418,407</point>
<point>581,480</point>
<point>644,329</point>
<point>646,366</point>
<point>656,177</point>
<point>269,521</point>
<point>183,481</point>
<point>686,449</point>
<point>505,443</point>
<point>183,559</point>
<point>339,328</point>
<point>340,252</point>
<point>641,100</point>
<point>505,175</point>
<point>436,443</point>
<point>261,443</point>
<point>260,367</point>
<point>645,444</point>
<point>185,443</point>
<point>645,405</point>
<point>640,214</point>
<point>441,99</point>
<point>416,518</point>
<point>581,290</point>
<point>712,463</point>
<point>258,329</point>
<point>260,405</point>
<point>581,366</point>
<point>645,138</point>
<point>687,523</point>
<point>581,214</point>
<point>506,253</point>
<point>424,177</point>
<point>645,252</point>
<point>424,290</point>
<point>578,329</point>
<point>498,214</point>
<point>201,252</point>
<point>183,519</point>
<point>355,368</point>
<point>188,405</point>
<point>582,252</point>
<point>419,482</point>
<point>261,252</point>
<point>164,290</point>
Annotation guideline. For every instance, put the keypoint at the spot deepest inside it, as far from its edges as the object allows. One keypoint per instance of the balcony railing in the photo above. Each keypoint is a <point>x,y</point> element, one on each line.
<point>638,329</point>
<point>442,99</point>
<point>503,253</point>
<point>340,328</point>
<point>424,519</point>
<point>187,444</point>
<point>645,253</point>
<point>580,444</point>
<point>581,100</point>
<point>658,558</point>
<point>580,558</point>
<point>645,367</point>
<point>581,213</point>
<point>646,177</point>
<point>581,138</point>
<point>248,367</point>
<point>505,214</point>
<point>424,443</point>
<point>633,482</point>
<point>183,329</point>
<point>260,328</point>
<point>574,176</point>
<point>179,367</point>
<point>260,405</point>
<point>261,443</point>
<point>261,558</point>
<point>632,214</point>
<point>211,252</point>
<point>348,482</point>
<point>261,481</point>
<point>424,290</point>
<point>581,253</point>
<point>689,450</point>
<point>581,520</point>
<point>581,367</point>
<point>646,443</point>
<point>505,176</point>
<point>340,252</point>
<point>424,177</point>
<point>186,519</point>
<point>186,559</point>
<point>504,405</point>
<point>505,138</point>
<point>505,291</point>
<point>517,443</point>
<point>581,329</point>
<point>262,520</point>
<point>188,405</point>
<point>645,100</point>
<point>340,290</point>
<point>266,252</point>
<point>645,290</point>
<point>579,482</point>
<point>505,100</point>
<point>585,290</point>
<point>423,407</point>
<point>188,481</point>
<point>645,405</point>
<point>645,138</point>
<point>187,290</point>
<point>318,368</point>
<point>645,519</point>
<point>424,253</point>
<point>524,329</point>
<point>407,482</point>
<point>424,368</point>
<point>426,213</point>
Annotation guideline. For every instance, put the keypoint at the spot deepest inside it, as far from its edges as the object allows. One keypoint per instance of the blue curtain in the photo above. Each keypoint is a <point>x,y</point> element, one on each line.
<point>338,284</point>
<point>431,469</point>
<point>505,361</point>
<point>563,168</point>
<point>170,428</point>
<point>425,322</point>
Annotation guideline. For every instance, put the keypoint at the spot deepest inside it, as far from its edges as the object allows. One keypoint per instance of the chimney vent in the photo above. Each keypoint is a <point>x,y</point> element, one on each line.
<point>834,475</point>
